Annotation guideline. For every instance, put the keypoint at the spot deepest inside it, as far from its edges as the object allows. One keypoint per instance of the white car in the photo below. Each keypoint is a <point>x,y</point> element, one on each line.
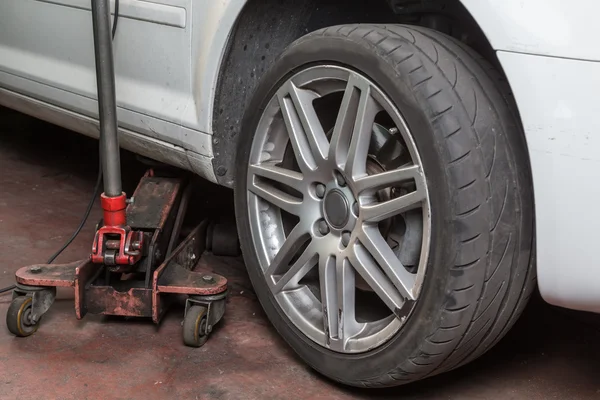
<point>402,169</point>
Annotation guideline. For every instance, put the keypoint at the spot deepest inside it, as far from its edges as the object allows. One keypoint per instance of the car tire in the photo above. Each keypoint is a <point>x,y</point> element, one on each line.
<point>479,272</point>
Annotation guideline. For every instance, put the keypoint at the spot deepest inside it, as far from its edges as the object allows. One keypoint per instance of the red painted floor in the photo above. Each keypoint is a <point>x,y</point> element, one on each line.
<point>46,178</point>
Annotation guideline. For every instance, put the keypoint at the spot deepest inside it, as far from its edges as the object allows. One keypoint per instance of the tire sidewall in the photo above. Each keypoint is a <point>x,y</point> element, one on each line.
<point>352,368</point>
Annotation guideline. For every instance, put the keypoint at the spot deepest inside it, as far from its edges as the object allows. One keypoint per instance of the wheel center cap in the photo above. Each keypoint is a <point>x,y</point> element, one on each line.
<point>337,210</point>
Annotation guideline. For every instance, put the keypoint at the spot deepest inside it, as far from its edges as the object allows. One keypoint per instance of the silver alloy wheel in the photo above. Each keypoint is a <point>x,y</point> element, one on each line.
<point>333,210</point>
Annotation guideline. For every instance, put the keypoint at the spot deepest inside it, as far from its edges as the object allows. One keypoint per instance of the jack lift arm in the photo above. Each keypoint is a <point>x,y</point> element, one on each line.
<point>135,268</point>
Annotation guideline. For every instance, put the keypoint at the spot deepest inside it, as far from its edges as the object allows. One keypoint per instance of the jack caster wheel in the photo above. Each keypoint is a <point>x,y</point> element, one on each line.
<point>194,326</point>
<point>18,317</point>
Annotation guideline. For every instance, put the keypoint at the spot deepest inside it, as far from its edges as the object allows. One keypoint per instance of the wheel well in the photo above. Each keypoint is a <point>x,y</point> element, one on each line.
<point>265,28</point>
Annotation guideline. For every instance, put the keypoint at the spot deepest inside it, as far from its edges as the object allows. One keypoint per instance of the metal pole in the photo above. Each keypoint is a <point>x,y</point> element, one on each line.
<point>107,105</point>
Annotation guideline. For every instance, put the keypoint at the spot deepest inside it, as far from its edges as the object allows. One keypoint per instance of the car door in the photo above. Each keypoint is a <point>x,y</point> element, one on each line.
<point>46,52</point>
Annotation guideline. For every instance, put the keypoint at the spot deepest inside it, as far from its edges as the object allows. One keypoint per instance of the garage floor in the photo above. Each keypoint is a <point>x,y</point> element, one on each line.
<point>46,178</point>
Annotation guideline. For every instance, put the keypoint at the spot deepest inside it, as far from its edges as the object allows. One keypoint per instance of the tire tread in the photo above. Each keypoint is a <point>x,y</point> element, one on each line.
<point>484,99</point>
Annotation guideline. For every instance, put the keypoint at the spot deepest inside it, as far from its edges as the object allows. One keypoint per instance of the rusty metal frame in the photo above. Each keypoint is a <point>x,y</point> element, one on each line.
<point>174,276</point>
<point>158,209</point>
<point>76,275</point>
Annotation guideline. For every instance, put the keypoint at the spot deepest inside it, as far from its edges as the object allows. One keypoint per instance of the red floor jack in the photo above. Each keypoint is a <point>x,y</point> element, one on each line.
<point>135,268</point>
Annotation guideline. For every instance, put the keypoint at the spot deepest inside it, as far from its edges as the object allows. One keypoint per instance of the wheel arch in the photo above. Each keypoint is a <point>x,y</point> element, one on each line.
<point>262,30</point>
<point>254,42</point>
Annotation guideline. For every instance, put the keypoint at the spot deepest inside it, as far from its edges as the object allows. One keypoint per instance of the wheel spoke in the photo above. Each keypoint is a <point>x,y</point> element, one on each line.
<point>284,176</point>
<point>367,268</point>
<point>344,124</point>
<point>356,163</point>
<point>388,178</point>
<point>276,197</point>
<point>346,301</point>
<point>328,285</point>
<point>296,271</point>
<point>306,134</point>
<point>303,101</point>
<point>380,211</point>
<point>375,244</point>
<point>353,127</point>
<point>292,244</point>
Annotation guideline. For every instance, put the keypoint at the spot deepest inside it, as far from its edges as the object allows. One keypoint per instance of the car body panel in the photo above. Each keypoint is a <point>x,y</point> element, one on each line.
<point>46,53</point>
<point>51,44</point>
<point>130,140</point>
<point>214,22</point>
<point>556,99</point>
<point>559,28</point>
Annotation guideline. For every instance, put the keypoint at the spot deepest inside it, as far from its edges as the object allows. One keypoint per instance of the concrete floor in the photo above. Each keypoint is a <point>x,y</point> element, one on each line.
<point>46,178</point>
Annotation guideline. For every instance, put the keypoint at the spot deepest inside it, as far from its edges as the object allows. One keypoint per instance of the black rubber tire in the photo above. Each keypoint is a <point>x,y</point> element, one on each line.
<point>193,325</point>
<point>15,317</point>
<point>474,155</point>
